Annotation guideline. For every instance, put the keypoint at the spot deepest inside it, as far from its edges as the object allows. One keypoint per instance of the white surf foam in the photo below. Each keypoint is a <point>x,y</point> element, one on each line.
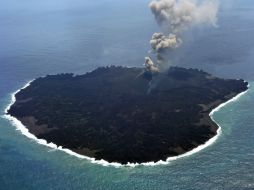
<point>20,127</point>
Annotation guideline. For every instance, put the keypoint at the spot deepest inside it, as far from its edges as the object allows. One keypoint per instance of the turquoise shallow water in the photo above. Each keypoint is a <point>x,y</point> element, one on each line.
<point>38,38</point>
<point>226,164</point>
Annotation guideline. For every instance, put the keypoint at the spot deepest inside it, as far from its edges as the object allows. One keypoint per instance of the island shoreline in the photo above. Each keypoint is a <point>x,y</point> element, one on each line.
<point>24,130</point>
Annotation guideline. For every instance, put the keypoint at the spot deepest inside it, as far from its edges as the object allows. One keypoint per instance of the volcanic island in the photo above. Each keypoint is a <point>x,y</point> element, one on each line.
<point>125,115</point>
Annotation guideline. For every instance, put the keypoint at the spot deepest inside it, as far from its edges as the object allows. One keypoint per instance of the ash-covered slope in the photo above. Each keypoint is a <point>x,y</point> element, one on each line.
<point>125,114</point>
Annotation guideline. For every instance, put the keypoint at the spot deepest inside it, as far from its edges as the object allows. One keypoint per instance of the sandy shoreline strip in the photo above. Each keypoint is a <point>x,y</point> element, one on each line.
<point>20,127</point>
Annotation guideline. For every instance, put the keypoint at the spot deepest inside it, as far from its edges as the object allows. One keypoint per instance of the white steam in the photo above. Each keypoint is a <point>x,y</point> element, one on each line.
<point>176,17</point>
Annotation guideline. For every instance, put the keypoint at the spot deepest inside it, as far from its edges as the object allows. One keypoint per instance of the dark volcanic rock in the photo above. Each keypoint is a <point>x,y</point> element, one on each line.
<point>125,114</point>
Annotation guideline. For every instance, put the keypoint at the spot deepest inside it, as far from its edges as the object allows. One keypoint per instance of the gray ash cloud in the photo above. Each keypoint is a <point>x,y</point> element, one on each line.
<point>176,17</point>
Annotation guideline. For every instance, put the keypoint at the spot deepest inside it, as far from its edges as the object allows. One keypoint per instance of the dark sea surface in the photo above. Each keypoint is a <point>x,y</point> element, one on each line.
<point>54,36</point>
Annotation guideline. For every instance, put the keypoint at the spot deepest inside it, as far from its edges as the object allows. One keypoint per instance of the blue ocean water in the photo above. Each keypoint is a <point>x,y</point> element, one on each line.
<point>53,36</point>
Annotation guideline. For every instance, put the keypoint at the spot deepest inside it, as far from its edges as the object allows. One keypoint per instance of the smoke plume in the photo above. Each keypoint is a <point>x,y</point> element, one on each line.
<point>159,42</point>
<point>150,65</point>
<point>176,17</point>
